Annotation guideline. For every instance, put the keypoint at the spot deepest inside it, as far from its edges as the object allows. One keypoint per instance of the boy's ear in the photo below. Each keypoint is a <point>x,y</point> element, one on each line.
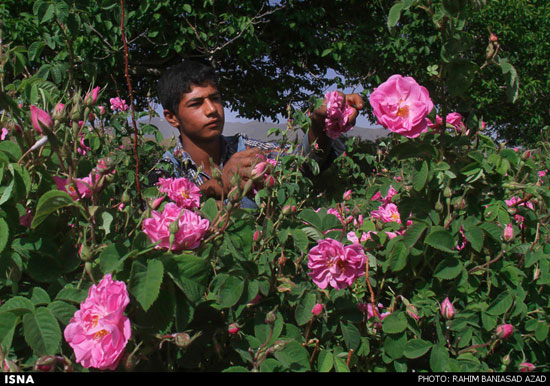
<point>171,118</point>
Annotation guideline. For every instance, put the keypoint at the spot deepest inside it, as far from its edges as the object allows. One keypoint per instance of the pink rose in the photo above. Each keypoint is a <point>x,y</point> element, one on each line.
<point>40,118</point>
<point>317,309</point>
<point>191,228</point>
<point>98,332</point>
<point>526,367</point>
<point>332,263</point>
<point>505,331</point>
<point>347,195</point>
<point>401,105</point>
<point>508,232</point>
<point>387,213</point>
<point>455,120</point>
<point>118,104</point>
<point>337,120</point>
<point>3,134</point>
<point>447,309</point>
<point>388,198</point>
<point>83,186</point>
<point>91,98</point>
<point>182,191</point>
<point>233,328</point>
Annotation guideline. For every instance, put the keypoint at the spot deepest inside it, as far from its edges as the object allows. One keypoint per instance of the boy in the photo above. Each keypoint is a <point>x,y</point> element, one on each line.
<point>192,103</point>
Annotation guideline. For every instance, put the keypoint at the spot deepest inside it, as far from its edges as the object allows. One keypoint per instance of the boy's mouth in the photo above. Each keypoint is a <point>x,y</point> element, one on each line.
<point>213,124</point>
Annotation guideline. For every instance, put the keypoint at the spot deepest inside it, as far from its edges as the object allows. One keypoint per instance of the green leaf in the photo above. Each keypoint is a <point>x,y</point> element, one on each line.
<point>394,344</point>
<point>8,322</point>
<point>413,233</point>
<point>415,348</point>
<point>63,311</point>
<point>441,239</point>
<point>395,14</point>
<point>230,291</point>
<point>303,309</point>
<point>190,273</point>
<point>209,209</point>
<point>325,362</point>
<point>398,256</point>
<point>19,305</point>
<point>449,268</point>
<point>394,323</point>
<point>541,331</point>
<point>311,217</point>
<point>294,357</point>
<point>145,281</point>
<point>301,240</point>
<point>501,304</point>
<point>48,203</point>
<point>4,234</point>
<point>475,237</point>
<point>420,177</point>
<point>42,331</point>
<point>351,334</point>
<point>439,359</point>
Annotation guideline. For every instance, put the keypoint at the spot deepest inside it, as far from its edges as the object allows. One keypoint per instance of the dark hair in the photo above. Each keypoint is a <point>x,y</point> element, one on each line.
<point>177,81</point>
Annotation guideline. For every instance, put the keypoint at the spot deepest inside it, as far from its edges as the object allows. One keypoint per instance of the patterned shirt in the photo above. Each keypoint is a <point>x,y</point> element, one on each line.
<point>178,163</point>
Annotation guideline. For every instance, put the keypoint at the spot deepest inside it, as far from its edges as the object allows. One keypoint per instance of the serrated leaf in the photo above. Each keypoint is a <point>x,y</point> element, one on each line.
<point>190,273</point>
<point>145,281</point>
<point>395,14</point>
<point>413,233</point>
<point>48,203</point>
<point>415,348</point>
<point>394,323</point>
<point>4,234</point>
<point>42,331</point>
<point>421,177</point>
<point>303,313</point>
<point>448,269</point>
<point>8,322</point>
<point>325,362</point>
<point>398,256</point>
<point>441,239</point>
<point>501,304</point>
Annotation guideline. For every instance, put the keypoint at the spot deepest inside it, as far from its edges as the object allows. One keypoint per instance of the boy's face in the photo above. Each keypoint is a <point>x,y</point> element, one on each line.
<point>200,115</point>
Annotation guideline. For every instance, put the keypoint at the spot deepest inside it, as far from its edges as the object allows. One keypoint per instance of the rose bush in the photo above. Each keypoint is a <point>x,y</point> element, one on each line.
<point>428,251</point>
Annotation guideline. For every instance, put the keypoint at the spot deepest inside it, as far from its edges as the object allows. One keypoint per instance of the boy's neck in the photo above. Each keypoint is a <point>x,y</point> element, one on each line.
<point>201,152</point>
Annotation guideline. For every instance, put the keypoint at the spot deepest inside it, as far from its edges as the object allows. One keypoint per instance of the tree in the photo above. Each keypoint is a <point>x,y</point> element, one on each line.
<point>269,53</point>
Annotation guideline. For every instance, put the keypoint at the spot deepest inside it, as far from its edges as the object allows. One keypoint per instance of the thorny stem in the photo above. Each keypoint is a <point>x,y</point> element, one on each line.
<point>132,107</point>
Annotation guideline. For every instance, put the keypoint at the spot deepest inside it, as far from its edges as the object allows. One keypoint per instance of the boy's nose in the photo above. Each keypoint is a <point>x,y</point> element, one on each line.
<point>209,106</point>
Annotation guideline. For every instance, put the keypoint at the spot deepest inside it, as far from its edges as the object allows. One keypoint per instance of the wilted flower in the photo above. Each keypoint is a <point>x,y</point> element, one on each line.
<point>26,219</point>
<point>40,119</point>
<point>504,331</point>
<point>401,105</point>
<point>98,332</point>
<point>182,191</point>
<point>447,309</point>
<point>190,228</point>
<point>332,263</point>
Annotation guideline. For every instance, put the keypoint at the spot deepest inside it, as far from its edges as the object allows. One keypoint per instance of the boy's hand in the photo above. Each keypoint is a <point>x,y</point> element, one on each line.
<point>240,164</point>
<point>319,115</point>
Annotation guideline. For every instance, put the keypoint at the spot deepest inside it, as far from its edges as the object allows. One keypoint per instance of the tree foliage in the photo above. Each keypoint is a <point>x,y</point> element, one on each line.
<point>273,53</point>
